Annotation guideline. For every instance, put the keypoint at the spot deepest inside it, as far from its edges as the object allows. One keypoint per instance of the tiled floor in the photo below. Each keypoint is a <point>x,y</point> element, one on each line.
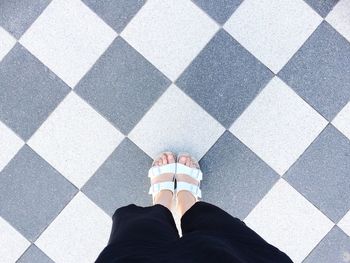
<point>91,90</point>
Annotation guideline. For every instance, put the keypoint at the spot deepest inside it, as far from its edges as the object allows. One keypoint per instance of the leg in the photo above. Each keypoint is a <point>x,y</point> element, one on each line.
<point>164,197</point>
<point>185,200</point>
<point>208,219</point>
<point>151,225</point>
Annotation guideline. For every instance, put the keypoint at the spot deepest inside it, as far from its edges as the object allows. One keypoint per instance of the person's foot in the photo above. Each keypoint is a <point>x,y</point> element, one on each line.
<point>164,197</point>
<point>186,199</point>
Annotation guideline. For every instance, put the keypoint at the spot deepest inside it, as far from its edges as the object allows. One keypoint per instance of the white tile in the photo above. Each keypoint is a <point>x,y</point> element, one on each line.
<point>273,30</point>
<point>285,219</point>
<point>75,139</point>
<point>78,234</point>
<point>278,125</point>
<point>344,223</point>
<point>12,243</point>
<point>170,34</point>
<point>68,38</point>
<point>176,123</point>
<point>10,144</point>
<point>342,120</point>
<point>339,18</point>
<point>6,42</point>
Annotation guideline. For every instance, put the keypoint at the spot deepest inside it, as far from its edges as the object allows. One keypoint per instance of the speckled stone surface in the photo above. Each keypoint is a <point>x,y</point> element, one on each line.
<point>128,88</point>
<point>116,13</point>
<point>32,193</point>
<point>29,91</point>
<point>121,180</point>
<point>17,16</point>
<point>91,91</point>
<point>334,247</point>
<point>320,71</point>
<point>325,165</point>
<point>222,84</point>
<point>34,254</point>
<point>220,10</point>
<point>234,177</point>
<point>323,7</point>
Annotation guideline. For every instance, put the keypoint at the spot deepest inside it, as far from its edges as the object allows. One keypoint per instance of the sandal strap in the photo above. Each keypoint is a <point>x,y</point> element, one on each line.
<point>163,169</point>
<point>157,187</point>
<point>194,189</point>
<point>195,173</point>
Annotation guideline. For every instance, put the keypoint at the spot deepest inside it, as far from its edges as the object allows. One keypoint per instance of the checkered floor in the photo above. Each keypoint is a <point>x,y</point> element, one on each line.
<point>91,90</point>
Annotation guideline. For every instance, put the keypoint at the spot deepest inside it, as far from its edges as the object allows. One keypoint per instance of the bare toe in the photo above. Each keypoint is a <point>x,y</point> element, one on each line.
<point>171,158</point>
<point>164,159</point>
<point>188,161</point>
<point>160,161</point>
<point>183,160</point>
<point>193,164</point>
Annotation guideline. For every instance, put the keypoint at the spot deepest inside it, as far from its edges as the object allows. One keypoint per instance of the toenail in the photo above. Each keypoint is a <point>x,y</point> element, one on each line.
<point>183,159</point>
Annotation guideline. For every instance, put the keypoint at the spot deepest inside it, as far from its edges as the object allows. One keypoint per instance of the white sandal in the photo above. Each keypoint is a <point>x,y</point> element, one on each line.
<point>156,171</point>
<point>195,173</point>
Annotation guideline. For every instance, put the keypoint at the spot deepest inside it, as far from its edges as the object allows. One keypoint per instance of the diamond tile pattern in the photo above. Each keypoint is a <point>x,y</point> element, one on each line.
<point>91,91</point>
<point>220,10</point>
<point>87,232</point>
<point>222,84</point>
<point>284,215</point>
<point>6,42</point>
<point>236,179</point>
<point>334,247</point>
<point>17,16</point>
<point>264,28</point>
<point>10,144</point>
<point>262,130</point>
<point>123,170</point>
<point>180,125</point>
<point>68,47</point>
<point>345,223</point>
<point>75,146</point>
<point>328,154</point>
<point>12,243</point>
<point>29,92</point>
<point>322,7</point>
<point>170,34</point>
<point>339,18</point>
<point>319,72</point>
<point>27,187</point>
<point>116,13</point>
<point>34,254</point>
<point>128,89</point>
<point>342,120</point>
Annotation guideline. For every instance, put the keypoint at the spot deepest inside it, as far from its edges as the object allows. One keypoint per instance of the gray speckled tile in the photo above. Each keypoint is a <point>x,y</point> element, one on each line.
<point>116,13</point>
<point>34,254</point>
<point>122,85</point>
<point>117,181</point>
<point>323,7</point>
<point>32,193</point>
<point>29,92</point>
<point>224,78</point>
<point>324,168</point>
<point>219,10</point>
<point>17,16</point>
<point>333,248</point>
<point>234,178</point>
<point>320,71</point>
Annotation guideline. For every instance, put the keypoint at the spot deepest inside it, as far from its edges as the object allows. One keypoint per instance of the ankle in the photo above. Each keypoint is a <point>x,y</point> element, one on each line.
<point>165,198</point>
<point>185,200</point>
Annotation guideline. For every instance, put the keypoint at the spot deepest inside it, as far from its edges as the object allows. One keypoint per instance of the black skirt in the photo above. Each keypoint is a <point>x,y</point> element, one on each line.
<point>209,234</point>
